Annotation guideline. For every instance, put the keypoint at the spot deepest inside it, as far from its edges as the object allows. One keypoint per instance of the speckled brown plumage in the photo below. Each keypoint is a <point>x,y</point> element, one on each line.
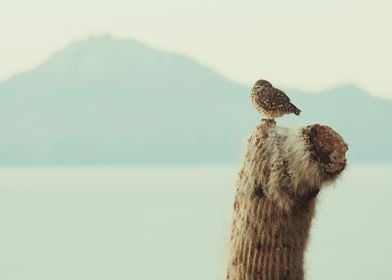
<point>270,101</point>
<point>275,199</point>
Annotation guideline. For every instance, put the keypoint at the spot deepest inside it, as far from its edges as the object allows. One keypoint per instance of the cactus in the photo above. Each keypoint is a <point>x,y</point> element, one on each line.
<point>282,174</point>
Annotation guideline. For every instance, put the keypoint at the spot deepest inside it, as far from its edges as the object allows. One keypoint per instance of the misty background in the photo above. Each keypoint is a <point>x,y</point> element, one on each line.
<point>107,101</point>
<point>123,126</point>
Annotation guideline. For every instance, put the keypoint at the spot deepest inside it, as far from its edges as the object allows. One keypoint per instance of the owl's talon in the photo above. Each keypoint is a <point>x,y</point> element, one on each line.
<point>269,122</point>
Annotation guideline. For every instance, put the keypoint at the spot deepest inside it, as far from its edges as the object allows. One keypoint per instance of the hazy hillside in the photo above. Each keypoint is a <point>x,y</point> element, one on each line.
<point>102,101</point>
<point>363,120</point>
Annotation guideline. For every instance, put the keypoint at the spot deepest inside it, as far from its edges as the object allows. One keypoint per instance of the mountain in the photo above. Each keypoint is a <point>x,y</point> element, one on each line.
<point>105,101</point>
<point>360,118</point>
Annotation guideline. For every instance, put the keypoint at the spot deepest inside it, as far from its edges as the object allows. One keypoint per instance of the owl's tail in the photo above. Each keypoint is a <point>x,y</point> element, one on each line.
<point>295,110</point>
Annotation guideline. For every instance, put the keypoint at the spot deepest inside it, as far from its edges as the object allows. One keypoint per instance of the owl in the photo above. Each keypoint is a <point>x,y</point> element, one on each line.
<point>270,101</point>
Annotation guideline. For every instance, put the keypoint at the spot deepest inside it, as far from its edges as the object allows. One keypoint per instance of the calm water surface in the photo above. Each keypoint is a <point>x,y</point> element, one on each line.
<point>171,222</point>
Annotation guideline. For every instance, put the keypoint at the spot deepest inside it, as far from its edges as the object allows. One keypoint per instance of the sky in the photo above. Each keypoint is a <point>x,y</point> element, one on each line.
<point>304,44</point>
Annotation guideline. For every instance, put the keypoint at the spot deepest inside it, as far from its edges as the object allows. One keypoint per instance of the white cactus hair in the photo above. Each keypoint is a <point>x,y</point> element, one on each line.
<point>276,194</point>
<point>289,169</point>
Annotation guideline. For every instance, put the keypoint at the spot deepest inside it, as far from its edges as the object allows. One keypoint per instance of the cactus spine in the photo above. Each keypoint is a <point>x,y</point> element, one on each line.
<point>282,173</point>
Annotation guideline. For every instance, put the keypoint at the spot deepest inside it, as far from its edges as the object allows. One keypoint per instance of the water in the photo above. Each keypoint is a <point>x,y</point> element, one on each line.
<point>172,222</point>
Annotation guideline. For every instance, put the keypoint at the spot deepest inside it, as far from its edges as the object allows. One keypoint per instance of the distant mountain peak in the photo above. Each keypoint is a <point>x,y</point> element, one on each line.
<point>106,39</point>
<point>104,100</point>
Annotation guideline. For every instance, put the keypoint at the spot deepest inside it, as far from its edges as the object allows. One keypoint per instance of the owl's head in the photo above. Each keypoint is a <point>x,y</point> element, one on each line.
<point>260,85</point>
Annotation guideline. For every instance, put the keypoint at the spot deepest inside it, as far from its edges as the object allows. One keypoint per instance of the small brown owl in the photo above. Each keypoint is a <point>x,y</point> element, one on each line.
<point>270,101</point>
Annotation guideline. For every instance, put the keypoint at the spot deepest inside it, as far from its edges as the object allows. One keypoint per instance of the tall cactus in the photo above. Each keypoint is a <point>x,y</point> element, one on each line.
<point>282,173</point>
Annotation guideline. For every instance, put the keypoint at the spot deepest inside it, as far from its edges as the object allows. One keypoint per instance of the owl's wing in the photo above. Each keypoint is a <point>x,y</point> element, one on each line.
<point>280,99</point>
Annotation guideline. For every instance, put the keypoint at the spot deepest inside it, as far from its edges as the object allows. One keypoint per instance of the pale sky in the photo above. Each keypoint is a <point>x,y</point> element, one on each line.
<point>303,44</point>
